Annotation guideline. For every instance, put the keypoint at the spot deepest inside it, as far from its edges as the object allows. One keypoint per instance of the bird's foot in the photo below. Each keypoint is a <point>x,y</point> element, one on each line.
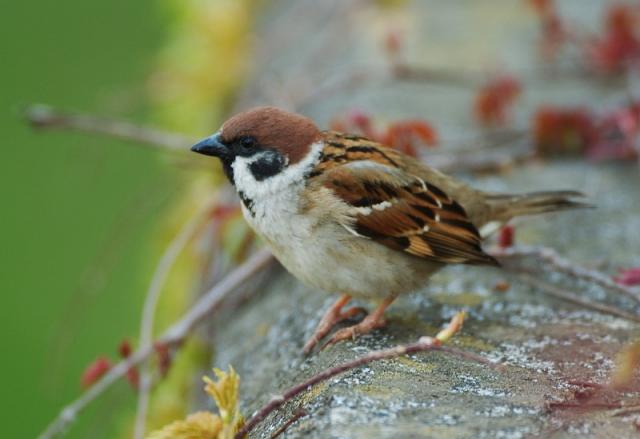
<point>332,317</point>
<point>370,322</point>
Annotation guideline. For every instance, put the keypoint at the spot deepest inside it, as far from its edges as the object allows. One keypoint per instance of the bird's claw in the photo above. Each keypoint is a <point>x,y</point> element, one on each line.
<point>328,321</point>
<point>352,332</point>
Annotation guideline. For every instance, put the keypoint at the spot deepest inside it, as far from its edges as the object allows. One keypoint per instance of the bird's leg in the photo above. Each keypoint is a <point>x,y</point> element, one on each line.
<point>370,322</point>
<point>333,316</point>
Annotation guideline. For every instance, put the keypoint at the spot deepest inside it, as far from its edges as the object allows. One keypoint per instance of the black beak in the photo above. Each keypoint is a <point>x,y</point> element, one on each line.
<point>212,146</point>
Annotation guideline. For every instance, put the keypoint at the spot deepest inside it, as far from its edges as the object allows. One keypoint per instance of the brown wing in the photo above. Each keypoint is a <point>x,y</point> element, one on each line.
<point>405,213</point>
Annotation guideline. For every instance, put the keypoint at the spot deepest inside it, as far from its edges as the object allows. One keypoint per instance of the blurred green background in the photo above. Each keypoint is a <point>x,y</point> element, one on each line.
<point>78,211</point>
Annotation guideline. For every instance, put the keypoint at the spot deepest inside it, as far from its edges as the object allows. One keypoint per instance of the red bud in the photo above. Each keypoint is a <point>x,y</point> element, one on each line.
<point>629,277</point>
<point>124,349</point>
<point>506,236</point>
<point>164,357</point>
<point>95,371</point>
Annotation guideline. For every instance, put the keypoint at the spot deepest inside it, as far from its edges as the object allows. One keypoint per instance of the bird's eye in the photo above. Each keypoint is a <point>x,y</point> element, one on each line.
<point>247,142</point>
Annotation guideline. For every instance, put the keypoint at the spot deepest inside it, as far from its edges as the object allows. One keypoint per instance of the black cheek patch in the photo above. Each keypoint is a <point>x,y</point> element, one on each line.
<point>269,164</point>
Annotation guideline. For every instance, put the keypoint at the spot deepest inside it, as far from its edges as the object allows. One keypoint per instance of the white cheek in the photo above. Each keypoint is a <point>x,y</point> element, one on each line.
<point>275,201</point>
<point>290,175</point>
<point>243,177</point>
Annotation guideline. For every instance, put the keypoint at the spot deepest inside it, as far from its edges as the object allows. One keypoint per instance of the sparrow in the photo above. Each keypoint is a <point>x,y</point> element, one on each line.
<point>347,215</point>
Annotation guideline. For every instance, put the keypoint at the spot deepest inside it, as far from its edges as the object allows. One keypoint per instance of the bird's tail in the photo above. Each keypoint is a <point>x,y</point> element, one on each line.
<point>503,207</point>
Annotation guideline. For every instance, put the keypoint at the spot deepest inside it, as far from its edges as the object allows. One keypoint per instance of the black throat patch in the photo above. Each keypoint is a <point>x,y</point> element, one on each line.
<point>248,202</point>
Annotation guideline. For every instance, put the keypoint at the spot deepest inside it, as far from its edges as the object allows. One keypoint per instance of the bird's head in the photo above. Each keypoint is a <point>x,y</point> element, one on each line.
<point>263,141</point>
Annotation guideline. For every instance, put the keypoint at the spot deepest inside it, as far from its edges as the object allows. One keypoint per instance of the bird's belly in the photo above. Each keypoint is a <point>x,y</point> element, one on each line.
<point>327,257</point>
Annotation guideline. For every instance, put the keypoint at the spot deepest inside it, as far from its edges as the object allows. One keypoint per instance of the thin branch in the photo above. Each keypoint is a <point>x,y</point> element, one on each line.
<point>167,261</point>
<point>550,257</point>
<point>584,405</point>
<point>172,336</point>
<point>628,410</point>
<point>570,297</point>
<point>440,75</point>
<point>479,163</point>
<point>297,414</point>
<point>424,344</point>
<point>46,117</point>
<point>394,72</point>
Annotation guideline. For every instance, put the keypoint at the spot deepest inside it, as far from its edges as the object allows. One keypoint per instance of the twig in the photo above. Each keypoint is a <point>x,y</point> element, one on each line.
<point>46,117</point>
<point>441,75</point>
<point>553,259</point>
<point>473,78</point>
<point>354,79</point>
<point>477,163</point>
<point>491,152</point>
<point>570,297</point>
<point>297,414</point>
<point>160,274</point>
<point>424,344</point>
<point>396,71</point>
<point>596,405</point>
<point>628,410</point>
<point>172,336</point>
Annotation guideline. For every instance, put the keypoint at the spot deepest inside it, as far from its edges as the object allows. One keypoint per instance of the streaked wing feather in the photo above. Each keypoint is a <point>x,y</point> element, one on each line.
<point>403,212</point>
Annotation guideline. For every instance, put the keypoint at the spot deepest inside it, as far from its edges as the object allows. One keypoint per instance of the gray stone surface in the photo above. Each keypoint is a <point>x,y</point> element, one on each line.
<point>544,342</point>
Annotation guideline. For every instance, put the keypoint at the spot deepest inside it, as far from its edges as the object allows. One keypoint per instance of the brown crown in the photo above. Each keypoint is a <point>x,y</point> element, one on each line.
<point>289,133</point>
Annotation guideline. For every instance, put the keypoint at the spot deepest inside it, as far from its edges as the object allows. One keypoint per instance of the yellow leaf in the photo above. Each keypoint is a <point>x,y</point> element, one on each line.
<point>199,425</point>
<point>224,392</point>
<point>206,425</point>
<point>454,326</point>
<point>626,365</point>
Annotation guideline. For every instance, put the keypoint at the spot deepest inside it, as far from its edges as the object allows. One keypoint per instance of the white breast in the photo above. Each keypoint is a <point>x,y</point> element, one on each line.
<point>276,200</point>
